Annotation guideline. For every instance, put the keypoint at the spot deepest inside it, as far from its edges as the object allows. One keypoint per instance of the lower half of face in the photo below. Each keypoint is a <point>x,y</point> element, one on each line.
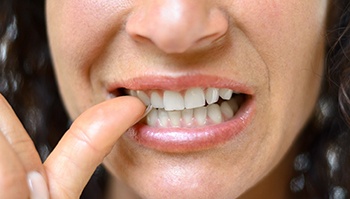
<point>232,83</point>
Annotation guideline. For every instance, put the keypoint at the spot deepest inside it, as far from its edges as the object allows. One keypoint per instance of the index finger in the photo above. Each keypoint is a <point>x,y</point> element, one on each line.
<point>17,137</point>
<point>84,146</point>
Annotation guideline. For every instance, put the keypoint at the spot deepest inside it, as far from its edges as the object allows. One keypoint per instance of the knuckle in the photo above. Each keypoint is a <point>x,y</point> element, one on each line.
<point>82,136</point>
<point>24,148</point>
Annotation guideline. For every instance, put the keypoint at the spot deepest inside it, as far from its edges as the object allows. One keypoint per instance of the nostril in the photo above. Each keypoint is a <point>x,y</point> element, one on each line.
<point>139,38</point>
<point>177,26</point>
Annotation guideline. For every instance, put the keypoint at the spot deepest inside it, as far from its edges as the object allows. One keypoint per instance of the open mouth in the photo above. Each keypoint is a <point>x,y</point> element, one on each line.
<point>189,113</point>
<point>190,108</point>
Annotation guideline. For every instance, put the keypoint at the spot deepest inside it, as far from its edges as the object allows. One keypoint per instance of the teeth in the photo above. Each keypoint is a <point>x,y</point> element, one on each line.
<point>226,110</point>
<point>225,93</point>
<point>175,117</point>
<point>194,98</point>
<point>132,93</point>
<point>191,108</point>
<point>214,113</point>
<point>143,97</point>
<point>187,116</point>
<point>156,100</point>
<point>173,101</point>
<point>163,118</point>
<point>212,95</point>
<point>152,117</point>
<point>234,105</point>
<point>201,115</point>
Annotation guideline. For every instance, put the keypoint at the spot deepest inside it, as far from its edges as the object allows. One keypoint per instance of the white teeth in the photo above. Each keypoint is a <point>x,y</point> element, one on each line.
<point>194,98</point>
<point>191,108</point>
<point>225,93</point>
<point>143,97</point>
<point>132,93</point>
<point>163,118</point>
<point>152,117</point>
<point>187,116</point>
<point>173,101</point>
<point>156,100</point>
<point>212,95</point>
<point>201,115</point>
<point>214,113</point>
<point>175,117</point>
<point>226,110</point>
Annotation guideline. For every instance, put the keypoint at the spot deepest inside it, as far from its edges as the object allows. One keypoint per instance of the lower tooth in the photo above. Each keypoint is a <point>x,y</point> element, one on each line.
<point>201,115</point>
<point>226,110</point>
<point>233,104</point>
<point>192,117</point>
<point>214,113</point>
<point>174,117</point>
<point>163,118</point>
<point>152,117</point>
<point>187,116</point>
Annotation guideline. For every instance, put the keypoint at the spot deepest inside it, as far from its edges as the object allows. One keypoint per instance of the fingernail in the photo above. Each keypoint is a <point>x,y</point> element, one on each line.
<point>148,109</point>
<point>37,186</point>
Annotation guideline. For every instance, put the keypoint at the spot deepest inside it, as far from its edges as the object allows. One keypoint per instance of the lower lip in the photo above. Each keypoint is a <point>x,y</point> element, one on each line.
<point>184,140</point>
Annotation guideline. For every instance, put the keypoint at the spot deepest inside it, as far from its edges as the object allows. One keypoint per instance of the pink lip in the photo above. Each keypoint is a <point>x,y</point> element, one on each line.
<point>179,83</point>
<point>183,140</point>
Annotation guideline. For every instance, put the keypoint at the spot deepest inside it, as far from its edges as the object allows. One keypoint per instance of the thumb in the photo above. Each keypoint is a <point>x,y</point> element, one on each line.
<point>84,146</point>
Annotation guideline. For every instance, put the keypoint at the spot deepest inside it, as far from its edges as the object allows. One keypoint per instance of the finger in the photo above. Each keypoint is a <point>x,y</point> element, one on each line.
<point>13,182</point>
<point>17,137</point>
<point>84,146</point>
<point>13,177</point>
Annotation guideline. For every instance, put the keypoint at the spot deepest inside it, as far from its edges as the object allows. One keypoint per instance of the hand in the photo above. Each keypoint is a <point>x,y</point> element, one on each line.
<point>71,164</point>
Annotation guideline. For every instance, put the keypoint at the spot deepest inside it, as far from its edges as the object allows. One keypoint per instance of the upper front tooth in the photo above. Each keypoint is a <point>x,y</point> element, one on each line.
<point>173,101</point>
<point>143,97</point>
<point>194,97</point>
<point>156,100</point>
<point>225,93</point>
<point>212,95</point>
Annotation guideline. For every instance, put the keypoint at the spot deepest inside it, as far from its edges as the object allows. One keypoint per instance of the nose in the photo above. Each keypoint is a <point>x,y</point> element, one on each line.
<point>176,26</point>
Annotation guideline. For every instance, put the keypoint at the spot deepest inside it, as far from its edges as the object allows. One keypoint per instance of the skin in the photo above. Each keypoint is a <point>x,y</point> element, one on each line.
<point>71,164</point>
<point>274,47</point>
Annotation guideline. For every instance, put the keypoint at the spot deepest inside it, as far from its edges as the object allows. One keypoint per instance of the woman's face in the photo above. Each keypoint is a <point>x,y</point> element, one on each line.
<point>180,54</point>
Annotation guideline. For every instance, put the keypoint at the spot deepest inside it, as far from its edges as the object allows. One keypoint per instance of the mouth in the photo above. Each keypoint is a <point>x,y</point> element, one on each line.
<point>187,117</point>
<point>190,108</point>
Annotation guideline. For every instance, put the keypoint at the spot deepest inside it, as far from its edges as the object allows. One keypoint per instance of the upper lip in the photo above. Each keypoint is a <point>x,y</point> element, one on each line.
<point>179,83</point>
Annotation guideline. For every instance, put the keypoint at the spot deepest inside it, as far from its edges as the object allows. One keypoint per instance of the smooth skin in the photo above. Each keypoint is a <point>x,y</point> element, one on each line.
<point>71,164</point>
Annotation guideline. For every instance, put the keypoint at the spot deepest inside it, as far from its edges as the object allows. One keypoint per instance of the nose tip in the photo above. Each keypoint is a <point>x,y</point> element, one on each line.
<point>176,26</point>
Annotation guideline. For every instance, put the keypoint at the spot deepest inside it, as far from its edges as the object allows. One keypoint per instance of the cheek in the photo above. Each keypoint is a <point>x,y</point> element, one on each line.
<point>78,31</point>
<point>289,38</point>
<point>81,28</point>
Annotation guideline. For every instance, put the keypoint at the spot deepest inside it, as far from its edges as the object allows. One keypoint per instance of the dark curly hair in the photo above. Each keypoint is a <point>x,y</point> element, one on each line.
<point>28,83</point>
